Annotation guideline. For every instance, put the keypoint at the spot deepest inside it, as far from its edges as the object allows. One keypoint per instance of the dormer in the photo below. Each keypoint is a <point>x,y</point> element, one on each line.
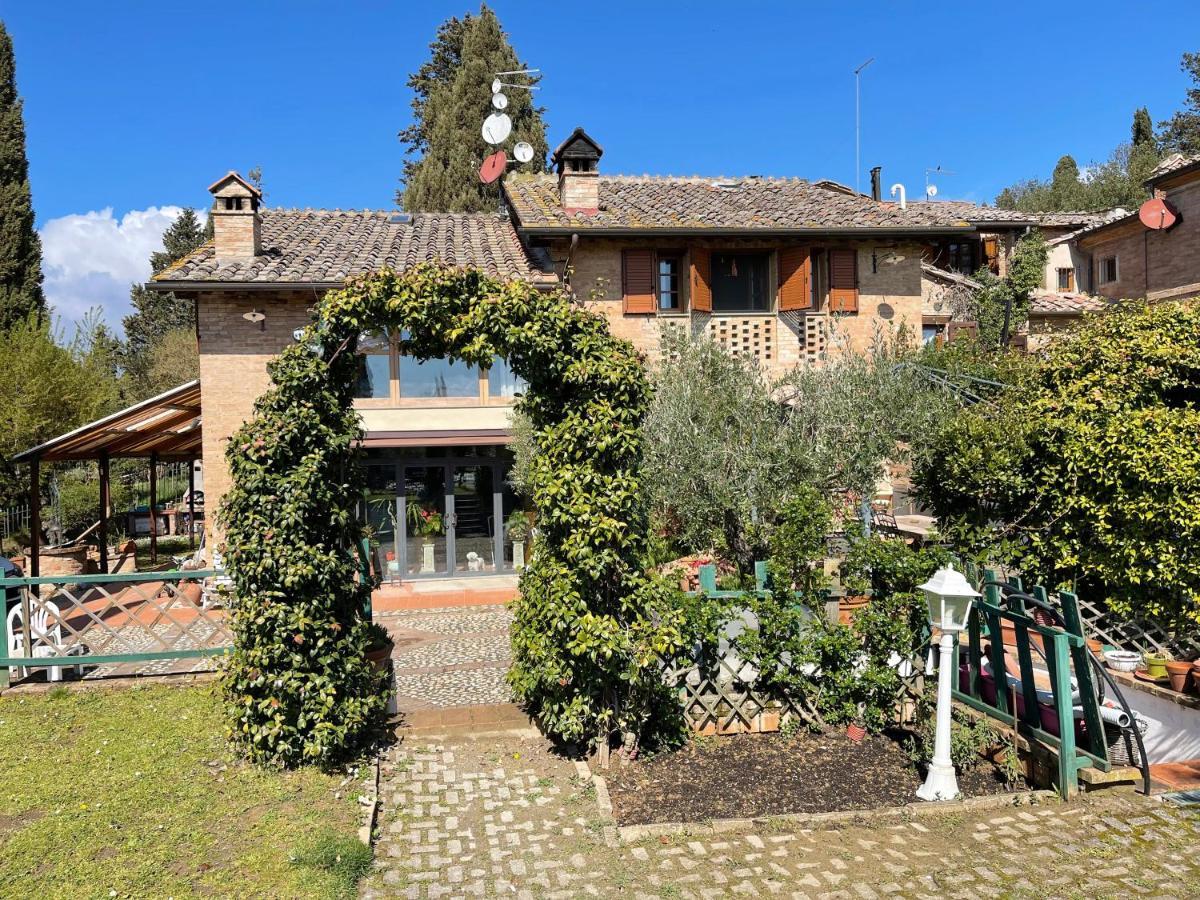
<point>237,223</point>
<point>577,161</point>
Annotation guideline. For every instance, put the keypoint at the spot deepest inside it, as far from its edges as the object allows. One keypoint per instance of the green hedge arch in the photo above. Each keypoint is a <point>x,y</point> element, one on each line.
<point>588,625</point>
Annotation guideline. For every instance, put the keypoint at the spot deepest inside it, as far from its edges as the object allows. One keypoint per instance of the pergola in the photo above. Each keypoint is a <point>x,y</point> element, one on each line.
<point>162,429</point>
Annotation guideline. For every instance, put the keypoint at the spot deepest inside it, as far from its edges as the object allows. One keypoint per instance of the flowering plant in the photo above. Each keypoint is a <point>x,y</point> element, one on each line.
<point>423,521</point>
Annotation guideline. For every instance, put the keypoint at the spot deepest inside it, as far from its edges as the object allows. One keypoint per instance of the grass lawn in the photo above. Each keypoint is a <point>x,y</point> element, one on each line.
<point>132,792</point>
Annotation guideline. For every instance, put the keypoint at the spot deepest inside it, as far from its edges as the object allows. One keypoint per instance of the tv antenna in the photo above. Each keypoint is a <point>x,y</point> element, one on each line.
<point>932,189</point>
<point>858,125</point>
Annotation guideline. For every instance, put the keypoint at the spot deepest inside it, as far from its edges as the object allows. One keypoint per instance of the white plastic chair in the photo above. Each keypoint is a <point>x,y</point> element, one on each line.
<point>45,638</point>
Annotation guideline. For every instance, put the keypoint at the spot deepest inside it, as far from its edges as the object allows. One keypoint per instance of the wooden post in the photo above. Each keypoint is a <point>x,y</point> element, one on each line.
<point>105,510</point>
<point>153,507</point>
<point>191,504</point>
<point>35,518</point>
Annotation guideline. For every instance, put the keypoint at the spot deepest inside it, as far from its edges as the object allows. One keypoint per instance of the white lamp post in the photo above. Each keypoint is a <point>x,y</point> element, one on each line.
<point>949,596</point>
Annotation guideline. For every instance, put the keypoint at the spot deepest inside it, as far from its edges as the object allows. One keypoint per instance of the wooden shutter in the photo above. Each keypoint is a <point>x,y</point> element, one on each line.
<point>843,281</point>
<point>795,279</point>
<point>991,255</point>
<point>701,279</point>
<point>957,330</point>
<point>637,280</point>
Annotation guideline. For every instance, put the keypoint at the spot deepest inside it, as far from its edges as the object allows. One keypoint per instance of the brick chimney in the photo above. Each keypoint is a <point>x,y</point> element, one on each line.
<point>577,162</point>
<point>237,222</point>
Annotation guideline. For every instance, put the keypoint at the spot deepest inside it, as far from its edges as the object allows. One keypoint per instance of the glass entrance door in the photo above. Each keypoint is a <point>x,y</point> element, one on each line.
<point>425,520</point>
<point>474,519</point>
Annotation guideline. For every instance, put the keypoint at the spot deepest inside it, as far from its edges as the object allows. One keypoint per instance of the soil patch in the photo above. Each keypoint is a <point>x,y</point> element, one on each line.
<point>753,775</point>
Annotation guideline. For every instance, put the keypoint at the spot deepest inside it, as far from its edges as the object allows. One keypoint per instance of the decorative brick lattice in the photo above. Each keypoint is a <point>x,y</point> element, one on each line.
<point>816,333</point>
<point>752,336</point>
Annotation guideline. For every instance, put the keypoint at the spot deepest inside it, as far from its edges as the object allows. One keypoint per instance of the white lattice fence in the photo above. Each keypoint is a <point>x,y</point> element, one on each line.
<point>1139,633</point>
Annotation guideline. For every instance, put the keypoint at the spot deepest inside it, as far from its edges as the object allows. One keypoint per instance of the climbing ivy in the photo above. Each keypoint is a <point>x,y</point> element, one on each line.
<point>588,624</point>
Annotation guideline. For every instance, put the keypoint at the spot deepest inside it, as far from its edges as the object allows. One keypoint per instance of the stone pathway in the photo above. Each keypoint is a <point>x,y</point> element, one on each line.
<point>501,816</point>
<point>449,657</point>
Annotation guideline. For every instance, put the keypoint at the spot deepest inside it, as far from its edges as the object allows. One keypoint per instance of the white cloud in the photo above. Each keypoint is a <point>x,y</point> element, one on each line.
<point>91,259</point>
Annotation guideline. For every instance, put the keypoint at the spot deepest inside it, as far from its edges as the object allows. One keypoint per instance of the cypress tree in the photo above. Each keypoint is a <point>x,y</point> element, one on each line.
<point>20,247</point>
<point>1141,133</point>
<point>452,98</point>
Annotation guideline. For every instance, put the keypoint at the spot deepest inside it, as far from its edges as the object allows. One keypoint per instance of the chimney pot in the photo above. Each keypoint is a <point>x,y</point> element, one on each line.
<point>577,162</point>
<point>237,221</point>
<point>876,186</point>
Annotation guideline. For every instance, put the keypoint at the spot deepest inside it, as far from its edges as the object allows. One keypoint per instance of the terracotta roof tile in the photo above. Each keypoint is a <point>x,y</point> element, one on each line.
<point>324,246</point>
<point>672,202</point>
<point>1051,303</point>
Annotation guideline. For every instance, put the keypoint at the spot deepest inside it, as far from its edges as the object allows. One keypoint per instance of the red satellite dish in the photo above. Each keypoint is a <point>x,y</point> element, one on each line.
<point>1158,214</point>
<point>493,167</point>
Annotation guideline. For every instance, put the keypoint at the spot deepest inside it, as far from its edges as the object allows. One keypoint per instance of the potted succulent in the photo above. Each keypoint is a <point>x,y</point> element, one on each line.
<point>425,523</point>
<point>517,526</point>
<point>379,646</point>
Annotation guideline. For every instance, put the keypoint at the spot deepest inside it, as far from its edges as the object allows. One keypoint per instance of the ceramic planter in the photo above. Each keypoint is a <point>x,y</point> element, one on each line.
<point>849,607</point>
<point>1178,671</point>
<point>378,656</point>
<point>1156,666</point>
<point>856,733</point>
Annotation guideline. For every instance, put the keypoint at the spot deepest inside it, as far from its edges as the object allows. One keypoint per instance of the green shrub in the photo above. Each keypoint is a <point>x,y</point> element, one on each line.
<point>1087,472</point>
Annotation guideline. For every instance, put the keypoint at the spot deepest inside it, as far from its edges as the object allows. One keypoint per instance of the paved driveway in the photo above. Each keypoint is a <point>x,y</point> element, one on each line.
<point>502,816</point>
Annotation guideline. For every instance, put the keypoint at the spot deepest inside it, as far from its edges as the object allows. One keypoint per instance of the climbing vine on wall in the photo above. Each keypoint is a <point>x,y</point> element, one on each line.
<point>588,624</point>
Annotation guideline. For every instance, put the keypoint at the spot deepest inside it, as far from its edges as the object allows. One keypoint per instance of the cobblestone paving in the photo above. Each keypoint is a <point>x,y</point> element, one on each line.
<point>456,656</point>
<point>501,816</point>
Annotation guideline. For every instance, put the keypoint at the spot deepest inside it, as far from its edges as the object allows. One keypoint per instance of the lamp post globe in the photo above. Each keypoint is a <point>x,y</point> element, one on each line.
<point>949,596</point>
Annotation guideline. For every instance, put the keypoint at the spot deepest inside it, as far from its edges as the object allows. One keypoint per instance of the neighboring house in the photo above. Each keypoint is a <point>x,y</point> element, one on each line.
<point>1052,312</point>
<point>1066,264</point>
<point>1125,258</point>
<point>783,270</point>
<point>994,233</point>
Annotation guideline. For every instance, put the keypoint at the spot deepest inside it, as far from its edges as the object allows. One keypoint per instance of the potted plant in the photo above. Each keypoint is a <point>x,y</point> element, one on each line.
<point>517,526</point>
<point>379,646</point>
<point>1178,671</point>
<point>856,597</point>
<point>426,523</point>
<point>1156,664</point>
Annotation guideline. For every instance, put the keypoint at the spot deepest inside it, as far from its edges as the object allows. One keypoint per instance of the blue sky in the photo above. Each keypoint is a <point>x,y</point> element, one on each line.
<point>132,108</point>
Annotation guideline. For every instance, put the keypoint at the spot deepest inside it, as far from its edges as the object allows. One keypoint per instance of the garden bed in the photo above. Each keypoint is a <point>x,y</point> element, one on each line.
<point>754,775</point>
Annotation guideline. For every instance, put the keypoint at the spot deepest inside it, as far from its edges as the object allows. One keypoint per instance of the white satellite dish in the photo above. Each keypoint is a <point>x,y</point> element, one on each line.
<point>496,128</point>
<point>499,100</point>
<point>523,152</point>
<point>931,191</point>
<point>496,85</point>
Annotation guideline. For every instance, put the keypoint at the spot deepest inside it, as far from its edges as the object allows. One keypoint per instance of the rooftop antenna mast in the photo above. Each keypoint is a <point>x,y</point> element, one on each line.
<point>858,125</point>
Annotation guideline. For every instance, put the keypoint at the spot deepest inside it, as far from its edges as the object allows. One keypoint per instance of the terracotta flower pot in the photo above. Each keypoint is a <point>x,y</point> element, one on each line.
<point>856,733</point>
<point>1196,676</point>
<point>849,607</point>
<point>378,656</point>
<point>1178,671</point>
<point>1095,646</point>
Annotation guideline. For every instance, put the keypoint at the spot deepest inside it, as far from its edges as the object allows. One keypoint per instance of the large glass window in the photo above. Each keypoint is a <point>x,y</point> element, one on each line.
<point>503,382</point>
<point>437,378</point>
<point>741,282</point>
<point>374,380</point>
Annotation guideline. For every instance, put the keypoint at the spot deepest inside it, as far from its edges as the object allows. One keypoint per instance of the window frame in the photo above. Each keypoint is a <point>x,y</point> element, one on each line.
<point>1069,272</point>
<point>677,256</point>
<point>1116,268</point>
<point>396,399</point>
<point>771,288</point>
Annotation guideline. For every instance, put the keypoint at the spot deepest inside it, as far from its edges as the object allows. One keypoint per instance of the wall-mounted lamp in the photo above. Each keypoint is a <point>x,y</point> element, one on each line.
<point>257,317</point>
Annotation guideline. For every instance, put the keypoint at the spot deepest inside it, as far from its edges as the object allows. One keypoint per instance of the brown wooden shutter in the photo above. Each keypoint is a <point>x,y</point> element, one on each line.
<point>795,279</point>
<point>701,280</point>
<point>637,280</point>
<point>991,255</point>
<point>843,281</point>
<point>958,330</point>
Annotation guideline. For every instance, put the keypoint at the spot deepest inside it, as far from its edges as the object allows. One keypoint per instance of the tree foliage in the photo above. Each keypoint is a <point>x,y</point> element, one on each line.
<point>1181,132</point>
<point>156,315</point>
<point>452,96</point>
<point>1086,471</point>
<point>1118,181</point>
<point>50,384</point>
<point>588,624</point>
<point>20,246</point>
<point>1001,304</point>
<point>727,448</point>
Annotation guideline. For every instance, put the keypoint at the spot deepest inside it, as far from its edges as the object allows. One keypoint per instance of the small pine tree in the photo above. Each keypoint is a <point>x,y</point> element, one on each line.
<point>1181,132</point>
<point>20,247</point>
<point>453,96</point>
<point>155,315</point>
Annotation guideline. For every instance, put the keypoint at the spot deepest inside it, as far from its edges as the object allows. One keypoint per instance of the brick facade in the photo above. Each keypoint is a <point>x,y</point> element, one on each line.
<point>889,279</point>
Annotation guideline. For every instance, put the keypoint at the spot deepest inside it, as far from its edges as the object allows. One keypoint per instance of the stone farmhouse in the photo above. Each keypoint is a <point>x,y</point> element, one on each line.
<point>785,270</point>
